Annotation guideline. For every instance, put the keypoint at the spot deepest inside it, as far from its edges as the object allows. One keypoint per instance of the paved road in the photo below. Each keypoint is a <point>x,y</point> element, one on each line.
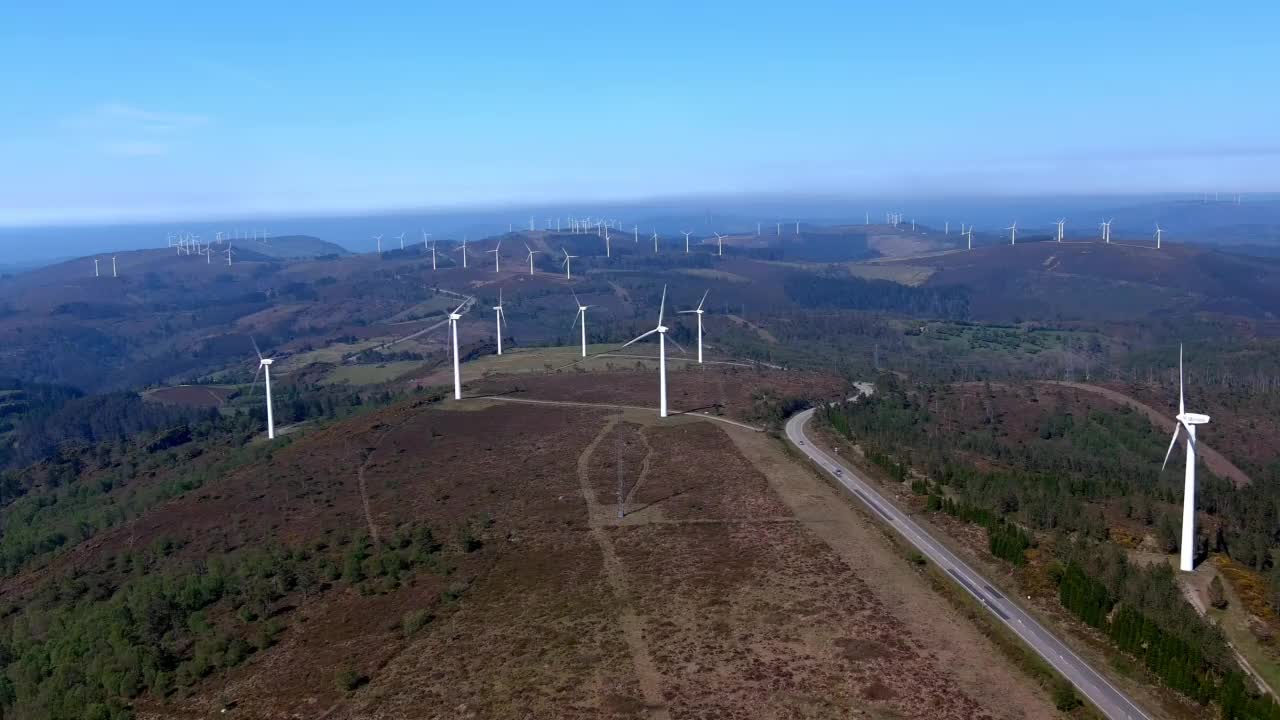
<point>1113,703</point>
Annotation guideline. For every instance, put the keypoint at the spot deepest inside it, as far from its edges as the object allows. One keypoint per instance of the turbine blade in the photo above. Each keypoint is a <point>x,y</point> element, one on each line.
<point>575,318</point>
<point>255,348</point>
<point>1172,442</point>
<point>704,298</point>
<point>638,339</point>
<point>662,308</point>
<point>455,310</point>
<point>678,345</point>
<point>254,385</point>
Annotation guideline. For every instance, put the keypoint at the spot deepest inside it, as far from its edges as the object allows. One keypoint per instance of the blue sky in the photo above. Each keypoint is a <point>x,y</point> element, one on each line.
<point>204,110</point>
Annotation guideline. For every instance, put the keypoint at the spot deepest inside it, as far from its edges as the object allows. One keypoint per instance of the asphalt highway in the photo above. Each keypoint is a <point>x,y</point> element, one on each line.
<point>1088,682</point>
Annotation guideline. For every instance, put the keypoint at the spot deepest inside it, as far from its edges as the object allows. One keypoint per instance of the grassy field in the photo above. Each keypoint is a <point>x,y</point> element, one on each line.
<point>912,275</point>
<point>369,374</point>
<point>1013,341</point>
<point>568,359</point>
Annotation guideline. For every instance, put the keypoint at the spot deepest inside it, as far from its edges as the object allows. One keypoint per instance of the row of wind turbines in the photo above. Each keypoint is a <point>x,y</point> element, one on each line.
<point>1061,224</point>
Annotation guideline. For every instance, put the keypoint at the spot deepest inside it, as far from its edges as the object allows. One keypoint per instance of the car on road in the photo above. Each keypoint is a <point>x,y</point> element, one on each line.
<point>839,471</point>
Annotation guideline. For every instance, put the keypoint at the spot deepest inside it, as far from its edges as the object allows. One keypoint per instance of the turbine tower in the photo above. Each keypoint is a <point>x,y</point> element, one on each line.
<point>1186,421</point>
<point>581,315</point>
<point>400,237</point>
<point>719,245</point>
<point>969,234</point>
<point>454,317</point>
<point>698,312</point>
<point>113,267</point>
<point>655,241</point>
<point>433,255</point>
<point>1061,224</point>
<point>264,367</point>
<point>1159,234</point>
<point>686,241</point>
<point>378,239</point>
<point>463,249</point>
<point>1013,233</point>
<point>499,317</point>
<point>661,330</point>
<point>95,267</point>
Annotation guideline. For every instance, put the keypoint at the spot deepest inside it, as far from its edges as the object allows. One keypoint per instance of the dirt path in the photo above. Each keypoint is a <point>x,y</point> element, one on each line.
<point>936,625</point>
<point>644,469</point>
<point>568,403</point>
<point>1214,460</point>
<point>632,627</point>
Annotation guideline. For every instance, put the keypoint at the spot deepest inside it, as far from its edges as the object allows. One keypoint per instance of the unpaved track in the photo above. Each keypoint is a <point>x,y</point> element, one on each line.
<point>1214,460</point>
<point>632,627</point>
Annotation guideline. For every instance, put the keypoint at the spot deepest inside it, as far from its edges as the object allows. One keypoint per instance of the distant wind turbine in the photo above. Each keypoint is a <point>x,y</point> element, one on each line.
<point>661,330</point>
<point>1186,421</point>
<point>113,267</point>
<point>686,241</point>
<point>1013,233</point>
<point>264,367</point>
<point>1159,234</point>
<point>719,244</point>
<point>95,267</point>
<point>496,252</point>
<point>1061,224</point>
<point>400,237</point>
<point>532,252</point>
<point>463,249</point>
<point>568,273</point>
<point>378,239</point>
<point>454,317</point>
<point>499,318</point>
<point>698,312</point>
<point>581,315</point>
<point>655,241</point>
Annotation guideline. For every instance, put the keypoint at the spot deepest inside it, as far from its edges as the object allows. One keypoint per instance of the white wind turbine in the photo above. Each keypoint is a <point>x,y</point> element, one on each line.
<point>698,312</point>
<point>400,237</point>
<point>1106,231</point>
<point>1159,234</point>
<point>655,241</point>
<point>608,248</point>
<point>463,248</point>
<point>495,252</point>
<point>95,267</point>
<point>568,273</point>
<point>264,367</point>
<point>1061,224</point>
<point>662,354</point>
<point>500,318</point>
<point>1013,233</point>
<point>454,317</point>
<point>1186,421</point>
<point>719,244</point>
<point>532,252</point>
<point>969,234</point>
<point>433,255</point>
<point>581,315</point>
<point>113,267</point>
<point>378,238</point>
<point>686,241</point>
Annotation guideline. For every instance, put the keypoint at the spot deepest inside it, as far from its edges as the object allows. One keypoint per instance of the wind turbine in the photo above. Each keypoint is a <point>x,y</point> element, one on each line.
<point>608,248</point>
<point>95,267</point>
<point>499,318</point>
<point>1061,224</point>
<point>1159,233</point>
<point>698,312</point>
<point>969,234</point>
<point>797,227</point>
<point>400,237</point>
<point>777,229</point>
<point>1013,233</point>
<point>635,232</point>
<point>719,244</point>
<point>655,241</point>
<point>1106,231</point>
<point>378,238</point>
<point>946,227</point>
<point>113,267</point>
<point>454,317</point>
<point>495,252</point>
<point>532,252</point>
<point>264,367</point>
<point>1186,421</point>
<point>662,354</point>
<point>686,241</point>
<point>568,274</point>
<point>581,314</point>
<point>433,254</point>
<point>463,248</point>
